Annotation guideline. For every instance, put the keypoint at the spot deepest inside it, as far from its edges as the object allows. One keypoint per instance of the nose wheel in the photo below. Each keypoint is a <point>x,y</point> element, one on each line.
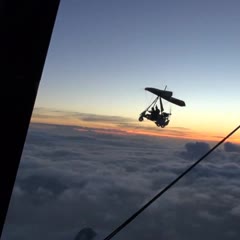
<point>140,119</point>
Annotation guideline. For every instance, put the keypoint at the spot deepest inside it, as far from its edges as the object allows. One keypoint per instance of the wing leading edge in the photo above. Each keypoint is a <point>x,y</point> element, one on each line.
<point>160,93</point>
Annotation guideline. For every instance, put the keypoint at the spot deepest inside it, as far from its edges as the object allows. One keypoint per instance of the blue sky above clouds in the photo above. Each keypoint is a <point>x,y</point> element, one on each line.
<point>70,179</point>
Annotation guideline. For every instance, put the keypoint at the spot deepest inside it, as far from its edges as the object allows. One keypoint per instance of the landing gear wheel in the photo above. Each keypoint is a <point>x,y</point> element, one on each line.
<point>140,119</point>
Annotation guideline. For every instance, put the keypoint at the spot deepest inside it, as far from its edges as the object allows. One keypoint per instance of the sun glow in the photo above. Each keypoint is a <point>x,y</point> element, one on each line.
<point>121,126</point>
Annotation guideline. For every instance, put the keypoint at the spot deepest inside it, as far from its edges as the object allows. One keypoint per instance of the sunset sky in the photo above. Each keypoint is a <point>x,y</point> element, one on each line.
<point>88,164</point>
<point>104,53</point>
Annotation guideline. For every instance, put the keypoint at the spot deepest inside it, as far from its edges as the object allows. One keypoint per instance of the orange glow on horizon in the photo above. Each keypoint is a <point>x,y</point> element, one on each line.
<point>111,128</point>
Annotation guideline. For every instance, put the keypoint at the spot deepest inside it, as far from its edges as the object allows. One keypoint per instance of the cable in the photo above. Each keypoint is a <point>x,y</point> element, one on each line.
<point>130,219</point>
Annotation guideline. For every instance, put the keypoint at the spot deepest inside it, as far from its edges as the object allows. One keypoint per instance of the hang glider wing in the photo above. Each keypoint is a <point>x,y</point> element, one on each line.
<point>161,93</point>
<point>166,95</point>
<point>176,101</point>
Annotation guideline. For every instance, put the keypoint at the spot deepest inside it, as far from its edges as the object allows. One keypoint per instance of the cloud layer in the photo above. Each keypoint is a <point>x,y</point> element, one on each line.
<point>72,179</point>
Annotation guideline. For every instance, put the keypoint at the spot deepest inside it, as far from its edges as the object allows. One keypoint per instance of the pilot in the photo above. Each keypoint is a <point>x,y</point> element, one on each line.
<point>154,113</point>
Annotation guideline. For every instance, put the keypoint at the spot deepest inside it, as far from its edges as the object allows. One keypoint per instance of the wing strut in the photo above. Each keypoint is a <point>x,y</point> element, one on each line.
<point>161,105</point>
<point>155,100</point>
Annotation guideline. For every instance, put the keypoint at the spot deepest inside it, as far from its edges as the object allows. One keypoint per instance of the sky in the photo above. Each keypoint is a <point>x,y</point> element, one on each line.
<point>79,181</point>
<point>104,53</point>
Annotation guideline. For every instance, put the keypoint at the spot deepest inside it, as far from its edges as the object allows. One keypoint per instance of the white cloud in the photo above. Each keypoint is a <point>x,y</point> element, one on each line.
<point>236,211</point>
<point>231,147</point>
<point>69,180</point>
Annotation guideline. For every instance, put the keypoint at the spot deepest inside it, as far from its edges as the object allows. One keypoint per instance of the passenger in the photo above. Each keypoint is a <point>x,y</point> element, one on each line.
<point>165,114</point>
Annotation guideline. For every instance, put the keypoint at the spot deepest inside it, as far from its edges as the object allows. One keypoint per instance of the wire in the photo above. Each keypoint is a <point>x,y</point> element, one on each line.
<point>130,219</point>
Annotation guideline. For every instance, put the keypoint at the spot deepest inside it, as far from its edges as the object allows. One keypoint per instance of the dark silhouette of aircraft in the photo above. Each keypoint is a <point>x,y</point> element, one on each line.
<point>157,115</point>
